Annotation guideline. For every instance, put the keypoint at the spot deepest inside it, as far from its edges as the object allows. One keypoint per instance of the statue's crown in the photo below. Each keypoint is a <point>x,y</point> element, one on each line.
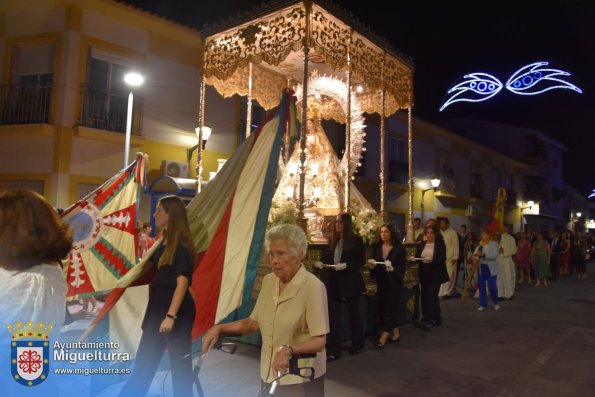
<point>30,330</point>
<point>314,109</point>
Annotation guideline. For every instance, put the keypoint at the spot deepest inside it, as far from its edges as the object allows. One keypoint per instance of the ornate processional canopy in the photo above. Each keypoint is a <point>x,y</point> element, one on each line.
<point>272,40</point>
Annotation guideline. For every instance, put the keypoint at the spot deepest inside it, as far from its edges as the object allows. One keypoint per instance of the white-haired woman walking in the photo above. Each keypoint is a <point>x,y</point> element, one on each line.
<point>290,313</point>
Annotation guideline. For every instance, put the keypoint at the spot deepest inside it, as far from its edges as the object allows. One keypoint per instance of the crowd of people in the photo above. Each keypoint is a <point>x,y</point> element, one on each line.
<point>297,314</point>
<point>492,265</point>
<point>534,257</point>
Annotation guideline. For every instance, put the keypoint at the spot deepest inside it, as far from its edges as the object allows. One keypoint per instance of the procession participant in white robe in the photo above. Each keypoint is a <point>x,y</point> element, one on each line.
<point>506,280</point>
<point>451,240</point>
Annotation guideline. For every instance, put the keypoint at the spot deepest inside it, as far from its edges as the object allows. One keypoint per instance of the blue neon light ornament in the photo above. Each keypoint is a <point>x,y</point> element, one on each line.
<point>475,87</point>
<point>531,79</point>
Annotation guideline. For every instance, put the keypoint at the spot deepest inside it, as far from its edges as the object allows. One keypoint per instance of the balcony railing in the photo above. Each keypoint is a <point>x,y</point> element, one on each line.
<point>106,110</point>
<point>25,103</point>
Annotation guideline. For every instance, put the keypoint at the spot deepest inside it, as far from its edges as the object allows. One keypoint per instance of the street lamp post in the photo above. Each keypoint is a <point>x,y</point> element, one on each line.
<point>529,205</point>
<point>435,182</point>
<point>205,136</point>
<point>202,139</point>
<point>133,79</point>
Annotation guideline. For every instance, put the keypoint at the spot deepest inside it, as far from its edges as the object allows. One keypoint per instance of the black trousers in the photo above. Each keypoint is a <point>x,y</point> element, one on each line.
<point>555,266</point>
<point>430,303</point>
<point>416,316</point>
<point>150,351</point>
<point>388,306</point>
<point>333,345</point>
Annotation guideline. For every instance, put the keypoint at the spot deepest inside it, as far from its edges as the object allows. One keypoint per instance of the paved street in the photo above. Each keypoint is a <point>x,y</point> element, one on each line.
<point>542,343</point>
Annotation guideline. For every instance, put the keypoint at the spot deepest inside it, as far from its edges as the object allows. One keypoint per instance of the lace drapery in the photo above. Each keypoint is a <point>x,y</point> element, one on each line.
<point>270,39</point>
<point>266,85</point>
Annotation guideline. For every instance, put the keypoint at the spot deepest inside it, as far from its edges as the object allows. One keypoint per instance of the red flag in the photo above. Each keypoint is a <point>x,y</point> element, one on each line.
<point>498,213</point>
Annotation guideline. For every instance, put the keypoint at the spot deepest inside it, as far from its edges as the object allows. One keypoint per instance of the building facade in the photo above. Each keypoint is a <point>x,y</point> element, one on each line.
<point>542,181</point>
<point>470,175</point>
<point>64,103</point>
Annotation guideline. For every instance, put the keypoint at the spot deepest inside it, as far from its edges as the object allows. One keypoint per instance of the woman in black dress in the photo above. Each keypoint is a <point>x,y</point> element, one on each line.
<point>170,312</point>
<point>345,284</point>
<point>389,278</point>
<point>432,273</point>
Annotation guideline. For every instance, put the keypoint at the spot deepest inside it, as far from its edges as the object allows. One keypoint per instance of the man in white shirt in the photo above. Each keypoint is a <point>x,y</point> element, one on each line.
<point>417,230</point>
<point>451,240</point>
<point>506,280</point>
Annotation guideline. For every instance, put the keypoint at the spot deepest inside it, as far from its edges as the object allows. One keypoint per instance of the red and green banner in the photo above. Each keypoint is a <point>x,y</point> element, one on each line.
<point>104,232</point>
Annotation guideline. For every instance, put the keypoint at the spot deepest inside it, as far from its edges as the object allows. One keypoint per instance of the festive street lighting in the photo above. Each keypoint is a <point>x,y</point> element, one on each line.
<point>202,135</point>
<point>530,205</point>
<point>435,182</point>
<point>133,79</point>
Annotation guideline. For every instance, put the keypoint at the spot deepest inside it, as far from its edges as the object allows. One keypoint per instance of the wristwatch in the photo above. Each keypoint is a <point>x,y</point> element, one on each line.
<point>172,316</point>
<point>290,349</point>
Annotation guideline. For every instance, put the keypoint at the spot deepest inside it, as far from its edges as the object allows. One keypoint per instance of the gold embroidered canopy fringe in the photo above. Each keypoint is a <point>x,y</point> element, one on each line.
<point>273,42</point>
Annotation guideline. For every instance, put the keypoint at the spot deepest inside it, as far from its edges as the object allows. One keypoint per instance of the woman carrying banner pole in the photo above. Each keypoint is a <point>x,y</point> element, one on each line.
<point>170,311</point>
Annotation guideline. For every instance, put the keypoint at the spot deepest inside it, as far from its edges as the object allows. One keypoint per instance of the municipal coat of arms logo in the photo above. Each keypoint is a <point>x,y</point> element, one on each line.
<point>29,352</point>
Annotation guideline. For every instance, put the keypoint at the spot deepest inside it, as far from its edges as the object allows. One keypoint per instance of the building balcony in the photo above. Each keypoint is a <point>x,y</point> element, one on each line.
<point>534,151</point>
<point>25,103</point>
<point>106,110</point>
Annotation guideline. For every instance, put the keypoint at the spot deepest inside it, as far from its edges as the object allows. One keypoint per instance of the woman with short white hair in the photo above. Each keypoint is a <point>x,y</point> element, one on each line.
<point>290,313</point>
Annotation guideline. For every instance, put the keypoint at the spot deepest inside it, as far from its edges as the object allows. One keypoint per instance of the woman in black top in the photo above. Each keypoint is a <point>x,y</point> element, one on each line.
<point>345,284</point>
<point>432,273</point>
<point>170,312</point>
<point>389,278</point>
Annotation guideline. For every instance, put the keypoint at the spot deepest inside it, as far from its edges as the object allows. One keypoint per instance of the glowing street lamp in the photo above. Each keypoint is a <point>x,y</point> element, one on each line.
<point>202,135</point>
<point>435,182</point>
<point>530,205</point>
<point>133,79</point>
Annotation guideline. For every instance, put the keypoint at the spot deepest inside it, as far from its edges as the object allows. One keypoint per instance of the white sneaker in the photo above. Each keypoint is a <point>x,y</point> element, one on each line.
<point>68,327</point>
<point>481,309</point>
<point>496,307</point>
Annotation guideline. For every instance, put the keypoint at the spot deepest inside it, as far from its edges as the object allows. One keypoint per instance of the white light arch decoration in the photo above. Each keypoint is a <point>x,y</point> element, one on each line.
<point>337,89</point>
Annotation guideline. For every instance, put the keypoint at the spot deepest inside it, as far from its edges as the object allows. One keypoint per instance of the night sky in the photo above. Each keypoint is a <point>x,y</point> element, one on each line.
<point>450,39</point>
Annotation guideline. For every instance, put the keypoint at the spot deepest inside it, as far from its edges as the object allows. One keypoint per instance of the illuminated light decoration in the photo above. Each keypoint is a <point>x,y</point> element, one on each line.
<point>534,79</point>
<point>476,87</point>
<point>592,195</point>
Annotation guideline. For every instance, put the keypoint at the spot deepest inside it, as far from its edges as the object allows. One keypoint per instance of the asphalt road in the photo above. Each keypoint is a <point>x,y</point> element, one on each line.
<point>542,343</point>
